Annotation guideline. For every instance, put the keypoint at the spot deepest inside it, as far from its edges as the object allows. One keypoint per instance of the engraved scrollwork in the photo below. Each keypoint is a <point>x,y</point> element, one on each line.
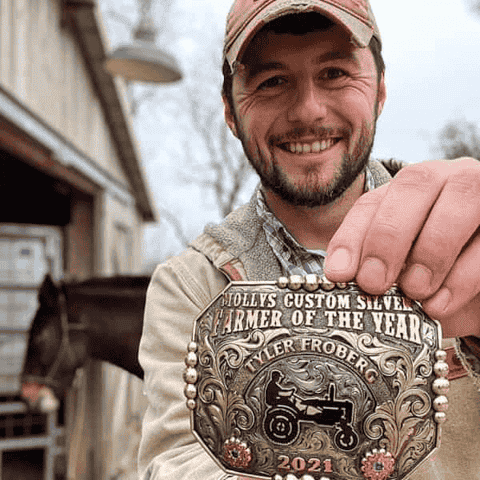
<point>233,352</point>
<point>315,441</point>
<point>207,358</point>
<point>408,372</point>
<point>208,388</point>
<point>413,372</point>
<point>382,354</point>
<point>420,403</point>
<point>422,441</point>
<point>265,455</point>
<point>400,421</point>
<point>396,420</point>
<point>225,410</point>
<point>346,468</point>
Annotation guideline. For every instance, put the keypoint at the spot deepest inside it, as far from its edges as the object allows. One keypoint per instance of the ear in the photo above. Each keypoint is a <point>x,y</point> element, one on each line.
<point>229,116</point>
<point>382,94</point>
<point>48,293</point>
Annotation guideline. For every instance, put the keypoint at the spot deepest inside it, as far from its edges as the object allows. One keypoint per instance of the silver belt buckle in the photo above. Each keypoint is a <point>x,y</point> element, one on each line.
<point>306,379</point>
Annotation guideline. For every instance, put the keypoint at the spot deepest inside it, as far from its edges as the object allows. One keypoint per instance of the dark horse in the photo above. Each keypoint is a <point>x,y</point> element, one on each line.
<point>99,318</point>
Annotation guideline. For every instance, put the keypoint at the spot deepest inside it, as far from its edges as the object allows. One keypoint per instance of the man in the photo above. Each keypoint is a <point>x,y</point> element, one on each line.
<point>303,88</point>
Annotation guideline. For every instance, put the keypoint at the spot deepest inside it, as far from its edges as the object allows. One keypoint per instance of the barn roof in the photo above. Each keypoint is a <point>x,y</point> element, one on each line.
<point>82,15</point>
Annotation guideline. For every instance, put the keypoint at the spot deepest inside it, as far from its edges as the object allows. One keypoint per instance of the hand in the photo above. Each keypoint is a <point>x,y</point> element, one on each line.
<point>422,231</point>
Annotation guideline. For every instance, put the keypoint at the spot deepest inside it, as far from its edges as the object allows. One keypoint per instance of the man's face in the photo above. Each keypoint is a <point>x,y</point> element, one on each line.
<point>305,109</point>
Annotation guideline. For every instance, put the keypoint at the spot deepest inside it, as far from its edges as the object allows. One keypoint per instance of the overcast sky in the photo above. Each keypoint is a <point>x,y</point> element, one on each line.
<point>432,53</point>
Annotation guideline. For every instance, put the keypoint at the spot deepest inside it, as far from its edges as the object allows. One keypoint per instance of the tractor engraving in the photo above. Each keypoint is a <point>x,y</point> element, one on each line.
<point>287,409</point>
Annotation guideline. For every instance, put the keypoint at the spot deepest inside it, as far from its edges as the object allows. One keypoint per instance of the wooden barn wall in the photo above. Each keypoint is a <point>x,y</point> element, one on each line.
<point>42,66</point>
<point>79,257</point>
<point>119,238</point>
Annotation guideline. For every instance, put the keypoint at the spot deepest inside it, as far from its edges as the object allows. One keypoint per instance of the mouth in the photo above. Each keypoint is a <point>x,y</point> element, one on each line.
<point>316,146</point>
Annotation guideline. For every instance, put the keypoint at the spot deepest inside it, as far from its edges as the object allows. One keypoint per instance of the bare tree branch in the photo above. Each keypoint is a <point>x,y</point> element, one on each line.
<point>460,139</point>
<point>176,225</point>
<point>226,170</point>
<point>139,99</point>
<point>120,18</point>
<point>475,6</point>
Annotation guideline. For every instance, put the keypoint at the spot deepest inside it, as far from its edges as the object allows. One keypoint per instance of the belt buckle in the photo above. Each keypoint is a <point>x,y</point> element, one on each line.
<point>302,378</point>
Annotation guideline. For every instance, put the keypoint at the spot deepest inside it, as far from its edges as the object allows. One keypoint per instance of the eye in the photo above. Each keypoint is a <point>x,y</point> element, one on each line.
<point>333,74</point>
<point>272,83</point>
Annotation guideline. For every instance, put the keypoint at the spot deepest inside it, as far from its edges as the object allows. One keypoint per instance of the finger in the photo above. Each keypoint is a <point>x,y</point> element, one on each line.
<point>463,322</point>
<point>397,223</point>
<point>344,249</point>
<point>451,224</point>
<point>464,161</point>
<point>460,288</point>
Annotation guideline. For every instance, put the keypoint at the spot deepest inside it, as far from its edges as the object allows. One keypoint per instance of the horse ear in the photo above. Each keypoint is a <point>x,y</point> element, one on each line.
<point>48,293</point>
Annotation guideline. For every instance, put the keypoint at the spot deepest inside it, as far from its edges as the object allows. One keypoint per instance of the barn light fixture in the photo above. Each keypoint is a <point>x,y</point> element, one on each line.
<point>142,60</point>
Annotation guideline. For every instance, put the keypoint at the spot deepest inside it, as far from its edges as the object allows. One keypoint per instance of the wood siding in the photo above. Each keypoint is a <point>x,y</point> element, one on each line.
<point>42,66</point>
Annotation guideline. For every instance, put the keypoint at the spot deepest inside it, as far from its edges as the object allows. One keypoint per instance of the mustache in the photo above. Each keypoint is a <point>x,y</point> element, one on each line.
<point>319,132</point>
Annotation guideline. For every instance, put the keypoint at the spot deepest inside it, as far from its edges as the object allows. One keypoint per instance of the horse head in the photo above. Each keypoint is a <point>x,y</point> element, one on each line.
<point>55,349</point>
<point>101,318</point>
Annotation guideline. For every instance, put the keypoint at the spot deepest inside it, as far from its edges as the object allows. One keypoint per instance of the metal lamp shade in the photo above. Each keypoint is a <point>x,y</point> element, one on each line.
<point>143,62</point>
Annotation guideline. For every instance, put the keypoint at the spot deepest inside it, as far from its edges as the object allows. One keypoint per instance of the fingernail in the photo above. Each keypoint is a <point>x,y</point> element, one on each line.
<point>339,261</point>
<point>441,300</point>
<point>373,273</point>
<point>418,278</point>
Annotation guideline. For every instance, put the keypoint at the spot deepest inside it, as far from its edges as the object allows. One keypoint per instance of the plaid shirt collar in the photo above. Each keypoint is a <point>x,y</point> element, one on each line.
<point>294,258</point>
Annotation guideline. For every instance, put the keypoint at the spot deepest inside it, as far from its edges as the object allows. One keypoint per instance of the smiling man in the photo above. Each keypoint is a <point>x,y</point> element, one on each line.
<point>303,88</point>
<point>305,104</point>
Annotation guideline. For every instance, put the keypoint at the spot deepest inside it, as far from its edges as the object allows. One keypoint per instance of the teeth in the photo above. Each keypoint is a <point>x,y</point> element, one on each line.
<point>314,147</point>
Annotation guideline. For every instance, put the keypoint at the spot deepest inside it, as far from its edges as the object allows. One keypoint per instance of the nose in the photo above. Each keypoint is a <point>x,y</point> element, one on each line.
<point>308,104</point>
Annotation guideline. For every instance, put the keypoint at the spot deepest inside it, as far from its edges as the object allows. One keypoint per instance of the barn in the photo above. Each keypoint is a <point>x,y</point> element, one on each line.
<point>74,201</point>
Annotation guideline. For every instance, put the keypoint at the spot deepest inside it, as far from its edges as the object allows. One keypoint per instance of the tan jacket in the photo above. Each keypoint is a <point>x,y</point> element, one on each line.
<point>180,289</point>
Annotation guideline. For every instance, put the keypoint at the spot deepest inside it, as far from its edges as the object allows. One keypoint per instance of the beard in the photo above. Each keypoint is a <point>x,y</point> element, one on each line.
<point>312,191</point>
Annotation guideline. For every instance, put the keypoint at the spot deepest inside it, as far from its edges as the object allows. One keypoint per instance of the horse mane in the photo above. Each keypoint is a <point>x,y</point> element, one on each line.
<point>120,285</point>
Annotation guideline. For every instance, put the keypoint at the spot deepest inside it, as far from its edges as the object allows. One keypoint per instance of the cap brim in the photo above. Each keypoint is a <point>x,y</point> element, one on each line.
<point>360,31</point>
